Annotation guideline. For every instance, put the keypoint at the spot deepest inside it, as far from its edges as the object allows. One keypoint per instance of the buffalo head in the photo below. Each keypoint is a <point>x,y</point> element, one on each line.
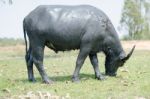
<point>113,62</point>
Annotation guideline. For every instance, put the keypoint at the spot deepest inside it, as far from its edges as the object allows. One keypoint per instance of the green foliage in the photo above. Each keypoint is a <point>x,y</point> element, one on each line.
<point>135,19</point>
<point>132,81</point>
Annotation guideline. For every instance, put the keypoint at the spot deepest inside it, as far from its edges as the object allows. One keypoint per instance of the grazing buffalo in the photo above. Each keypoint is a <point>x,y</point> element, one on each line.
<point>63,28</point>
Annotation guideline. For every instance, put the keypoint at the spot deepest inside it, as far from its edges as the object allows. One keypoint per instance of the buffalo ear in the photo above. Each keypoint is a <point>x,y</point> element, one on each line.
<point>121,59</point>
<point>128,56</point>
<point>122,56</point>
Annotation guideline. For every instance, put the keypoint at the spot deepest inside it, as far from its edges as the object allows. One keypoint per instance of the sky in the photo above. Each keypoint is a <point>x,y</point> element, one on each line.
<point>11,16</point>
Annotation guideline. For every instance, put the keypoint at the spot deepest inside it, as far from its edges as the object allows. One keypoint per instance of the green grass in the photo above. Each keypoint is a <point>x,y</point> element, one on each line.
<point>127,85</point>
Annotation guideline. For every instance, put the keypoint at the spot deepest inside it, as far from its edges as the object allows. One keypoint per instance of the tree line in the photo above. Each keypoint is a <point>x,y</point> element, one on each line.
<point>135,18</point>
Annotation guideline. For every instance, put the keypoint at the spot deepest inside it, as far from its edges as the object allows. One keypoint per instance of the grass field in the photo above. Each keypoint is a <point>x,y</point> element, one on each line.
<point>132,81</point>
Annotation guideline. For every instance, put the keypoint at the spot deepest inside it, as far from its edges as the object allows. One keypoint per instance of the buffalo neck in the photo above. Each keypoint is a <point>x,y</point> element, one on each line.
<point>113,46</point>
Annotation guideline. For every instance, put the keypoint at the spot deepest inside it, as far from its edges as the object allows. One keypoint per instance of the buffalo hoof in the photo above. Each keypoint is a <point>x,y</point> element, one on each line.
<point>100,77</point>
<point>75,79</point>
<point>32,80</point>
<point>48,81</point>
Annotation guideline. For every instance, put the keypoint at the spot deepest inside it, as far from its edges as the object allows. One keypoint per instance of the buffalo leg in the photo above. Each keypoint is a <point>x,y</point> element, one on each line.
<point>80,60</point>
<point>94,62</point>
<point>29,62</point>
<point>38,54</point>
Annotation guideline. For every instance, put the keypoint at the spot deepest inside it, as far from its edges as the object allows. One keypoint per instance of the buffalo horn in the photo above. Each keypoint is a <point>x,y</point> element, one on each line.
<point>130,53</point>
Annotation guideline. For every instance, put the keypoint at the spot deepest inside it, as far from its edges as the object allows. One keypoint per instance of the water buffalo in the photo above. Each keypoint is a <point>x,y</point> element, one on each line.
<point>63,28</point>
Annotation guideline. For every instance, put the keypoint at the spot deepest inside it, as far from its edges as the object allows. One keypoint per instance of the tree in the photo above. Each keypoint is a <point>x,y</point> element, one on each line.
<point>8,1</point>
<point>134,19</point>
<point>147,16</point>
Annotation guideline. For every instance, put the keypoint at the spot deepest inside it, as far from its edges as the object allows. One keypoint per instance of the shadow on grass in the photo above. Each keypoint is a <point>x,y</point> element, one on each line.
<point>68,77</point>
<point>62,78</point>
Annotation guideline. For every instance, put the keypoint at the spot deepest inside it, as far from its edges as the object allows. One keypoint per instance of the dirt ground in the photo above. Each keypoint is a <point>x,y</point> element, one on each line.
<point>140,45</point>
